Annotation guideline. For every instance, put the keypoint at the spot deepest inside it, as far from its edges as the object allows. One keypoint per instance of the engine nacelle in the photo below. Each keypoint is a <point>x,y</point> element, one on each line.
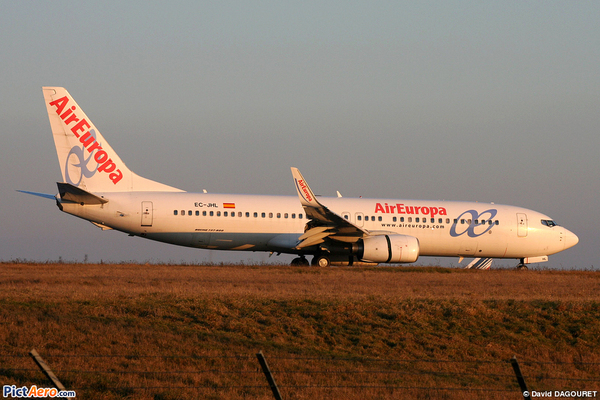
<point>388,249</point>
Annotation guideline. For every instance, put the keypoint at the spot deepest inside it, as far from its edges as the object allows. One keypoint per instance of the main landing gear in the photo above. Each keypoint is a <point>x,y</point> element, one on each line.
<point>300,262</point>
<point>320,260</point>
<point>522,266</point>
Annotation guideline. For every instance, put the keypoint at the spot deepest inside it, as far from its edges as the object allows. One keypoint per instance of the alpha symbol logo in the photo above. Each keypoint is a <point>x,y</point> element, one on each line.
<point>81,163</point>
<point>473,229</point>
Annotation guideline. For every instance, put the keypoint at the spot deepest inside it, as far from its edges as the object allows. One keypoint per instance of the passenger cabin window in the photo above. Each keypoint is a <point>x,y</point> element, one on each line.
<point>174,212</point>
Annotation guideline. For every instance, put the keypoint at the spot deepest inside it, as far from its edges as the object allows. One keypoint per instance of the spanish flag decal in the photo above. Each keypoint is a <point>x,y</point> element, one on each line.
<point>228,205</point>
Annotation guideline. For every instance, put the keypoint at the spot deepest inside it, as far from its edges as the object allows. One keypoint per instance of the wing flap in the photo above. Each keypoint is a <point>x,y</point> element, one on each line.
<point>314,231</point>
<point>312,240</point>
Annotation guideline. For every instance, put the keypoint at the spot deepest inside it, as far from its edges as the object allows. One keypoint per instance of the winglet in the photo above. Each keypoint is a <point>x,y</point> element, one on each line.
<point>307,197</point>
<point>323,222</point>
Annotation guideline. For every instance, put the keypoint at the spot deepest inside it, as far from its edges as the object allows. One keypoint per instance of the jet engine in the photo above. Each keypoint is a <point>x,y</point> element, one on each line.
<point>387,249</point>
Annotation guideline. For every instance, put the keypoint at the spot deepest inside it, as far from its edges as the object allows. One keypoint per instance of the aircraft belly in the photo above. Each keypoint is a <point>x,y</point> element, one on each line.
<point>450,247</point>
<point>218,240</point>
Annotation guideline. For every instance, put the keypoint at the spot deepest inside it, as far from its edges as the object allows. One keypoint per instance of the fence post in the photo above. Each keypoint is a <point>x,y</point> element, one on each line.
<point>46,370</point>
<point>267,372</point>
<point>520,379</point>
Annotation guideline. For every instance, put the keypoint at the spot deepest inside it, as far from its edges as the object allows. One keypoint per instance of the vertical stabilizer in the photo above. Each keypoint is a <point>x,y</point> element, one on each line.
<point>86,160</point>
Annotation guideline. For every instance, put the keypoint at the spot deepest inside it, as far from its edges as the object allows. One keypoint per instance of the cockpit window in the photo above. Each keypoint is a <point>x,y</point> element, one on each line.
<point>549,222</point>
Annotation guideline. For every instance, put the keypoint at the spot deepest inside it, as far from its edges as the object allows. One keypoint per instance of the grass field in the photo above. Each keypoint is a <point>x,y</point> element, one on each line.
<point>168,331</point>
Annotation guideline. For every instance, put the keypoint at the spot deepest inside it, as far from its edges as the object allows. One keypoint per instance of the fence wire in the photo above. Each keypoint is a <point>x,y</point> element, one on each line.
<point>240,376</point>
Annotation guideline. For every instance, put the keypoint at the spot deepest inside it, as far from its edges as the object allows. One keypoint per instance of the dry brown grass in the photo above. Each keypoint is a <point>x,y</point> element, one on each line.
<point>336,328</point>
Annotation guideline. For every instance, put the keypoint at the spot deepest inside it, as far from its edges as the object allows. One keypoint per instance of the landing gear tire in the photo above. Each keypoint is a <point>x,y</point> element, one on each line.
<point>299,262</point>
<point>322,261</point>
<point>522,267</point>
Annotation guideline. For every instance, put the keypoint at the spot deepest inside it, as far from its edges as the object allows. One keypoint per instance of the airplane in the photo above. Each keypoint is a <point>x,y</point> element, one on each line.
<point>98,187</point>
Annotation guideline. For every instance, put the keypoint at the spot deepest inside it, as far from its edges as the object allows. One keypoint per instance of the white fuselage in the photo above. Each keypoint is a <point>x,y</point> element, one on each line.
<point>98,186</point>
<point>274,223</point>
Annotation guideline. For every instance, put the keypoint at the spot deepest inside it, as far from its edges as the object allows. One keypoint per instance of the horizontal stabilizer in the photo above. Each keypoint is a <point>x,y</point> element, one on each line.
<point>480,263</point>
<point>44,195</point>
<point>72,193</point>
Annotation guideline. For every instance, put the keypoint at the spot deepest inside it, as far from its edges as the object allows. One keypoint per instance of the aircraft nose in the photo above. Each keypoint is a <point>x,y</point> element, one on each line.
<point>571,239</point>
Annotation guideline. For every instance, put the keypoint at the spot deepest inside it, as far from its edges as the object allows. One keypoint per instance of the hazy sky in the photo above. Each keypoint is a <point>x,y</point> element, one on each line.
<point>487,101</point>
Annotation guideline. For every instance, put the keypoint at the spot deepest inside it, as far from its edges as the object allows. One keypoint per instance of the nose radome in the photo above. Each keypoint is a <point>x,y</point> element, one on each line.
<point>571,239</point>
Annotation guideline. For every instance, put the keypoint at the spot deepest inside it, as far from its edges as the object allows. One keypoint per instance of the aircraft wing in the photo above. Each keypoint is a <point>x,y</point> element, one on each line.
<point>324,223</point>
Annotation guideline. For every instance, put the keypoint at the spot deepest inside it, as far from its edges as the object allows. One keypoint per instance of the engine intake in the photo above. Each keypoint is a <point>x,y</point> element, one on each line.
<point>387,249</point>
